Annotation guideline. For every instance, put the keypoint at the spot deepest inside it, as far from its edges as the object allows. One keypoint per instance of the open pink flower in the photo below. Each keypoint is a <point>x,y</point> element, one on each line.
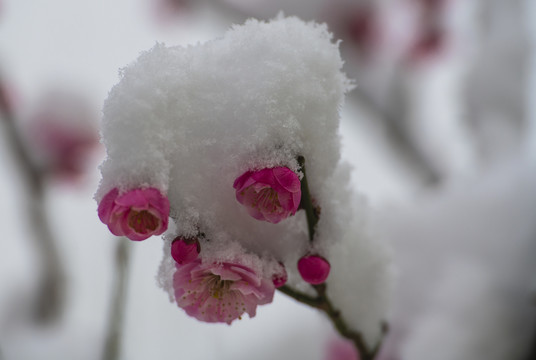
<point>220,292</point>
<point>136,214</point>
<point>269,194</point>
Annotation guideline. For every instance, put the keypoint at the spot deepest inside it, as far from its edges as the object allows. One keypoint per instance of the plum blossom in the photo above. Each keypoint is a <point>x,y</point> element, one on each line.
<point>314,269</point>
<point>220,292</point>
<point>185,250</point>
<point>137,214</point>
<point>270,194</point>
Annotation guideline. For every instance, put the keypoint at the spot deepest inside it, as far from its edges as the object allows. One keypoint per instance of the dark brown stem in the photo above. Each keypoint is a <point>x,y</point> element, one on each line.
<point>306,202</point>
<point>301,297</point>
<point>112,347</point>
<point>321,301</point>
<point>50,295</point>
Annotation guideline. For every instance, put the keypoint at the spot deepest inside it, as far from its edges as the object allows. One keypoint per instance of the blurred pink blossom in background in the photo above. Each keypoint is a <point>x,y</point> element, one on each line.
<point>340,349</point>
<point>62,135</point>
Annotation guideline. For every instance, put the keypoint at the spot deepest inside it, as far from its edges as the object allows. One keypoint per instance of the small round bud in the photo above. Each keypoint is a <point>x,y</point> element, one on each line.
<point>185,250</point>
<point>280,277</point>
<point>314,269</point>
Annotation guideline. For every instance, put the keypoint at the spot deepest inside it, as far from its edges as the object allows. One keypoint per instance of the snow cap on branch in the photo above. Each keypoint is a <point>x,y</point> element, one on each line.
<point>196,123</point>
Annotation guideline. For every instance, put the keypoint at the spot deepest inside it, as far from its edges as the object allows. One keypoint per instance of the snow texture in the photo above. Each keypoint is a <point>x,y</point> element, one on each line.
<point>189,121</point>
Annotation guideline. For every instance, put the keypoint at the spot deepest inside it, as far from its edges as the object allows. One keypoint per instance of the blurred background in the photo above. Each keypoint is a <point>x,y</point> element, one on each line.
<point>441,131</point>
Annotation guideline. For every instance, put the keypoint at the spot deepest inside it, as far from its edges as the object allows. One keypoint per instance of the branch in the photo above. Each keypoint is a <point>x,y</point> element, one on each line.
<point>398,138</point>
<point>50,295</point>
<point>301,297</point>
<point>306,202</point>
<point>321,301</point>
<point>112,345</point>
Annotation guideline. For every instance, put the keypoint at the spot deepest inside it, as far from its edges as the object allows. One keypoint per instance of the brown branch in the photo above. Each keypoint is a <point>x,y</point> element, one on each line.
<point>50,296</point>
<point>321,301</point>
<point>306,202</point>
<point>301,297</point>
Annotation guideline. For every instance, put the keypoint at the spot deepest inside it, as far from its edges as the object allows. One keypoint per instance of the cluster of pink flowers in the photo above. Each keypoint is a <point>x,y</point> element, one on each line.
<point>217,291</point>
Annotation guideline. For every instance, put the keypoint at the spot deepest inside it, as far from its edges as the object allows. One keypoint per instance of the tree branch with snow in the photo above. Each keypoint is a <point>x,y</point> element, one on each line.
<point>207,145</point>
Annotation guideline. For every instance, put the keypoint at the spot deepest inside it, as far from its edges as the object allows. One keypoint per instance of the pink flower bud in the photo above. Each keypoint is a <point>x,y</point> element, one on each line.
<point>269,194</point>
<point>185,250</point>
<point>314,269</point>
<point>280,277</point>
<point>136,214</point>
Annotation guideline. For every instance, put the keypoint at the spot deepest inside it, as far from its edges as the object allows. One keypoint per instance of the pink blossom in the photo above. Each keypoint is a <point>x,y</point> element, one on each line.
<point>136,214</point>
<point>220,292</point>
<point>314,269</point>
<point>185,250</point>
<point>63,135</point>
<point>269,194</point>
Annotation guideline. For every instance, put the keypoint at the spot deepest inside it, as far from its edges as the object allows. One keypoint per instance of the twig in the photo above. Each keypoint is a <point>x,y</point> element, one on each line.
<point>531,352</point>
<point>399,139</point>
<point>321,301</point>
<point>50,295</point>
<point>306,202</point>
<point>112,346</point>
<point>301,297</point>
